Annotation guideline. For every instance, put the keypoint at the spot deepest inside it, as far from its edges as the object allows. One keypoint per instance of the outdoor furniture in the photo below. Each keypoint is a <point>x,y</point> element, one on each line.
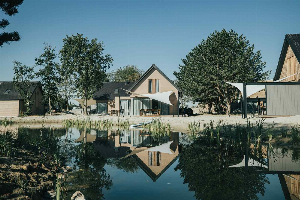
<point>114,112</point>
<point>149,112</point>
<point>122,112</point>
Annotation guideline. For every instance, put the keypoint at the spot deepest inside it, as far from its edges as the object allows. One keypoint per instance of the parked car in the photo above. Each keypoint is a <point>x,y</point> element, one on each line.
<point>185,111</point>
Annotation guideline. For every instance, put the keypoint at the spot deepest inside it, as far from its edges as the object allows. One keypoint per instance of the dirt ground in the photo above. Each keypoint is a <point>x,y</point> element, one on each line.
<point>177,123</point>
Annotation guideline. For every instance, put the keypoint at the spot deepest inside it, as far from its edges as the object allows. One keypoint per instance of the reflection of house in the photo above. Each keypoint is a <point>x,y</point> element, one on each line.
<point>293,185</point>
<point>281,160</point>
<point>129,97</point>
<point>155,163</point>
<point>153,158</point>
<point>12,104</point>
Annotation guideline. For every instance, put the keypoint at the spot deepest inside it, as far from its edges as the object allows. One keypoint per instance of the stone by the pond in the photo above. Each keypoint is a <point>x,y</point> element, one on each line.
<point>77,196</point>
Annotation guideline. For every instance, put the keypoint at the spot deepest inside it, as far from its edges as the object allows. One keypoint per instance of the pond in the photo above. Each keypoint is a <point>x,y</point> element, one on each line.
<point>41,163</point>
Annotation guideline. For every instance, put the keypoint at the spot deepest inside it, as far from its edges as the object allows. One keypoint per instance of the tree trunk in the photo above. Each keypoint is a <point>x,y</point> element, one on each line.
<point>228,104</point>
<point>50,110</point>
<point>67,104</point>
<point>209,108</point>
<point>85,110</point>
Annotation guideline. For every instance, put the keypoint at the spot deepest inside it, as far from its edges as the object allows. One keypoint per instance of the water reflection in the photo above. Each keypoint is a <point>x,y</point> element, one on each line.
<point>208,167</point>
<point>132,149</point>
<point>293,185</point>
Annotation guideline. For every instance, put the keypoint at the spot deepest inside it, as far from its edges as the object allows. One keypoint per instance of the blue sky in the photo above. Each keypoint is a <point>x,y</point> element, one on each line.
<point>144,32</point>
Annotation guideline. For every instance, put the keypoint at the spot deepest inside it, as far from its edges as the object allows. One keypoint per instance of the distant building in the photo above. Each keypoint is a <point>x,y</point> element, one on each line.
<point>12,104</point>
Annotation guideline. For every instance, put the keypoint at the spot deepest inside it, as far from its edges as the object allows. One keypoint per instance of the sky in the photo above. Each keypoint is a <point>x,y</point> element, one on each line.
<point>144,32</point>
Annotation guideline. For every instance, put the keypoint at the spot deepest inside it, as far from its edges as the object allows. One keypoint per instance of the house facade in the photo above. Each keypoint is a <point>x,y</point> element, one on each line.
<point>130,97</point>
<point>12,105</point>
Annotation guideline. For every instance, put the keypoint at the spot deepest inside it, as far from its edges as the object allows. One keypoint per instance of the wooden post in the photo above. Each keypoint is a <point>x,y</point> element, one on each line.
<point>245,100</point>
<point>119,104</point>
<point>173,109</point>
<point>178,108</point>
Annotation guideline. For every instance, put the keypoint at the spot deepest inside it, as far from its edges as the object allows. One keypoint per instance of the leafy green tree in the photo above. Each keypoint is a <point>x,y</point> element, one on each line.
<point>10,8</point>
<point>223,57</point>
<point>88,64</point>
<point>128,73</point>
<point>22,77</point>
<point>48,75</point>
<point>66,85</point>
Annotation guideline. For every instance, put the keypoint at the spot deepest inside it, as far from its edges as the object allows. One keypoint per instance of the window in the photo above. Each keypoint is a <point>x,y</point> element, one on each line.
<point>157,85</point>
<point>101,108</point>
<point>150,86</point>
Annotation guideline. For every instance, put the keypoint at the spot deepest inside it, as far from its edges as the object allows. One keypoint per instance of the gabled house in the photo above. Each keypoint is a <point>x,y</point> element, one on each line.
<point>132,97</point>
<point>288,67</point>
<point>12,104</point>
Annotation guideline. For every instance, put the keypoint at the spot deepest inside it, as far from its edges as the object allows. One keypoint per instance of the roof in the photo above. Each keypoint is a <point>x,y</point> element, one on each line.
<point>8,91</point>
<point>148,171</point>
<point>292,40</point>
<point>153,66</point>
<point>107,92</point>
<point>260,94</point>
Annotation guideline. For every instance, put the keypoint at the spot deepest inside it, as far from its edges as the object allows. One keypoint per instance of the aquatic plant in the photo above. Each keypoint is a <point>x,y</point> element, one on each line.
<point>194,127</point>
<point>99,124</point>
<point>157,128</point>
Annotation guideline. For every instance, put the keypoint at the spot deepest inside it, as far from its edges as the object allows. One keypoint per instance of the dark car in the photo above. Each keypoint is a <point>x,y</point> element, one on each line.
<point>185,111</point>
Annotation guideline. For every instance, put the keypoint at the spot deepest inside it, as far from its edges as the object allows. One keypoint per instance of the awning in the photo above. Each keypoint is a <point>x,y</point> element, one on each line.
<point>164,148</point>
<point>164,97</point>
<point>250,89</point>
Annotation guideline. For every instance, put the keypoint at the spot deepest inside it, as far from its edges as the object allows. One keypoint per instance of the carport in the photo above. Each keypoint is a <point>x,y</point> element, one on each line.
<point>282,98</point>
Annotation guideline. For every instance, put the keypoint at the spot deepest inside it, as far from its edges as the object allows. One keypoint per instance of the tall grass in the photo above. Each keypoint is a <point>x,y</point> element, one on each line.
<point>98,124</point>
<point>158,128</point>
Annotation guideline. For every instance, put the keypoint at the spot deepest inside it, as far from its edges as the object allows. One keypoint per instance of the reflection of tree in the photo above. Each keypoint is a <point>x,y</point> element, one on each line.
<point>127,164</point>
<point>205,168</point>
<point>89,181</point>
<point>44,141</point>
<point>88,176</point>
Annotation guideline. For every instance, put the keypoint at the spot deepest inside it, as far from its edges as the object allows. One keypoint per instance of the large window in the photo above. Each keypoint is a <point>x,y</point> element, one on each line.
<point>150,86</point>
<point>102,108</point>
<point>125,106</point>
<point>157,85</point>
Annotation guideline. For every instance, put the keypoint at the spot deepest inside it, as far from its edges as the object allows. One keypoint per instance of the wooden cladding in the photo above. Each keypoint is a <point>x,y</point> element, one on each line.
<point>290,67</point>
<point>9,108</point>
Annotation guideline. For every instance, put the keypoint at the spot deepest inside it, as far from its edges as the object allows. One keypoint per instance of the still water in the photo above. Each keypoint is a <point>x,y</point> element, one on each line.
<point>133,164</point>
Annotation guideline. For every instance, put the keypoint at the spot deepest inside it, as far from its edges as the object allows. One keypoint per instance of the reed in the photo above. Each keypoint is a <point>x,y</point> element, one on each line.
<point>158,128</point>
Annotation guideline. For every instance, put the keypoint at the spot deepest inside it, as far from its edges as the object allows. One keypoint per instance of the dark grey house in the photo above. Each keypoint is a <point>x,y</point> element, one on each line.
<point>12,104</point>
